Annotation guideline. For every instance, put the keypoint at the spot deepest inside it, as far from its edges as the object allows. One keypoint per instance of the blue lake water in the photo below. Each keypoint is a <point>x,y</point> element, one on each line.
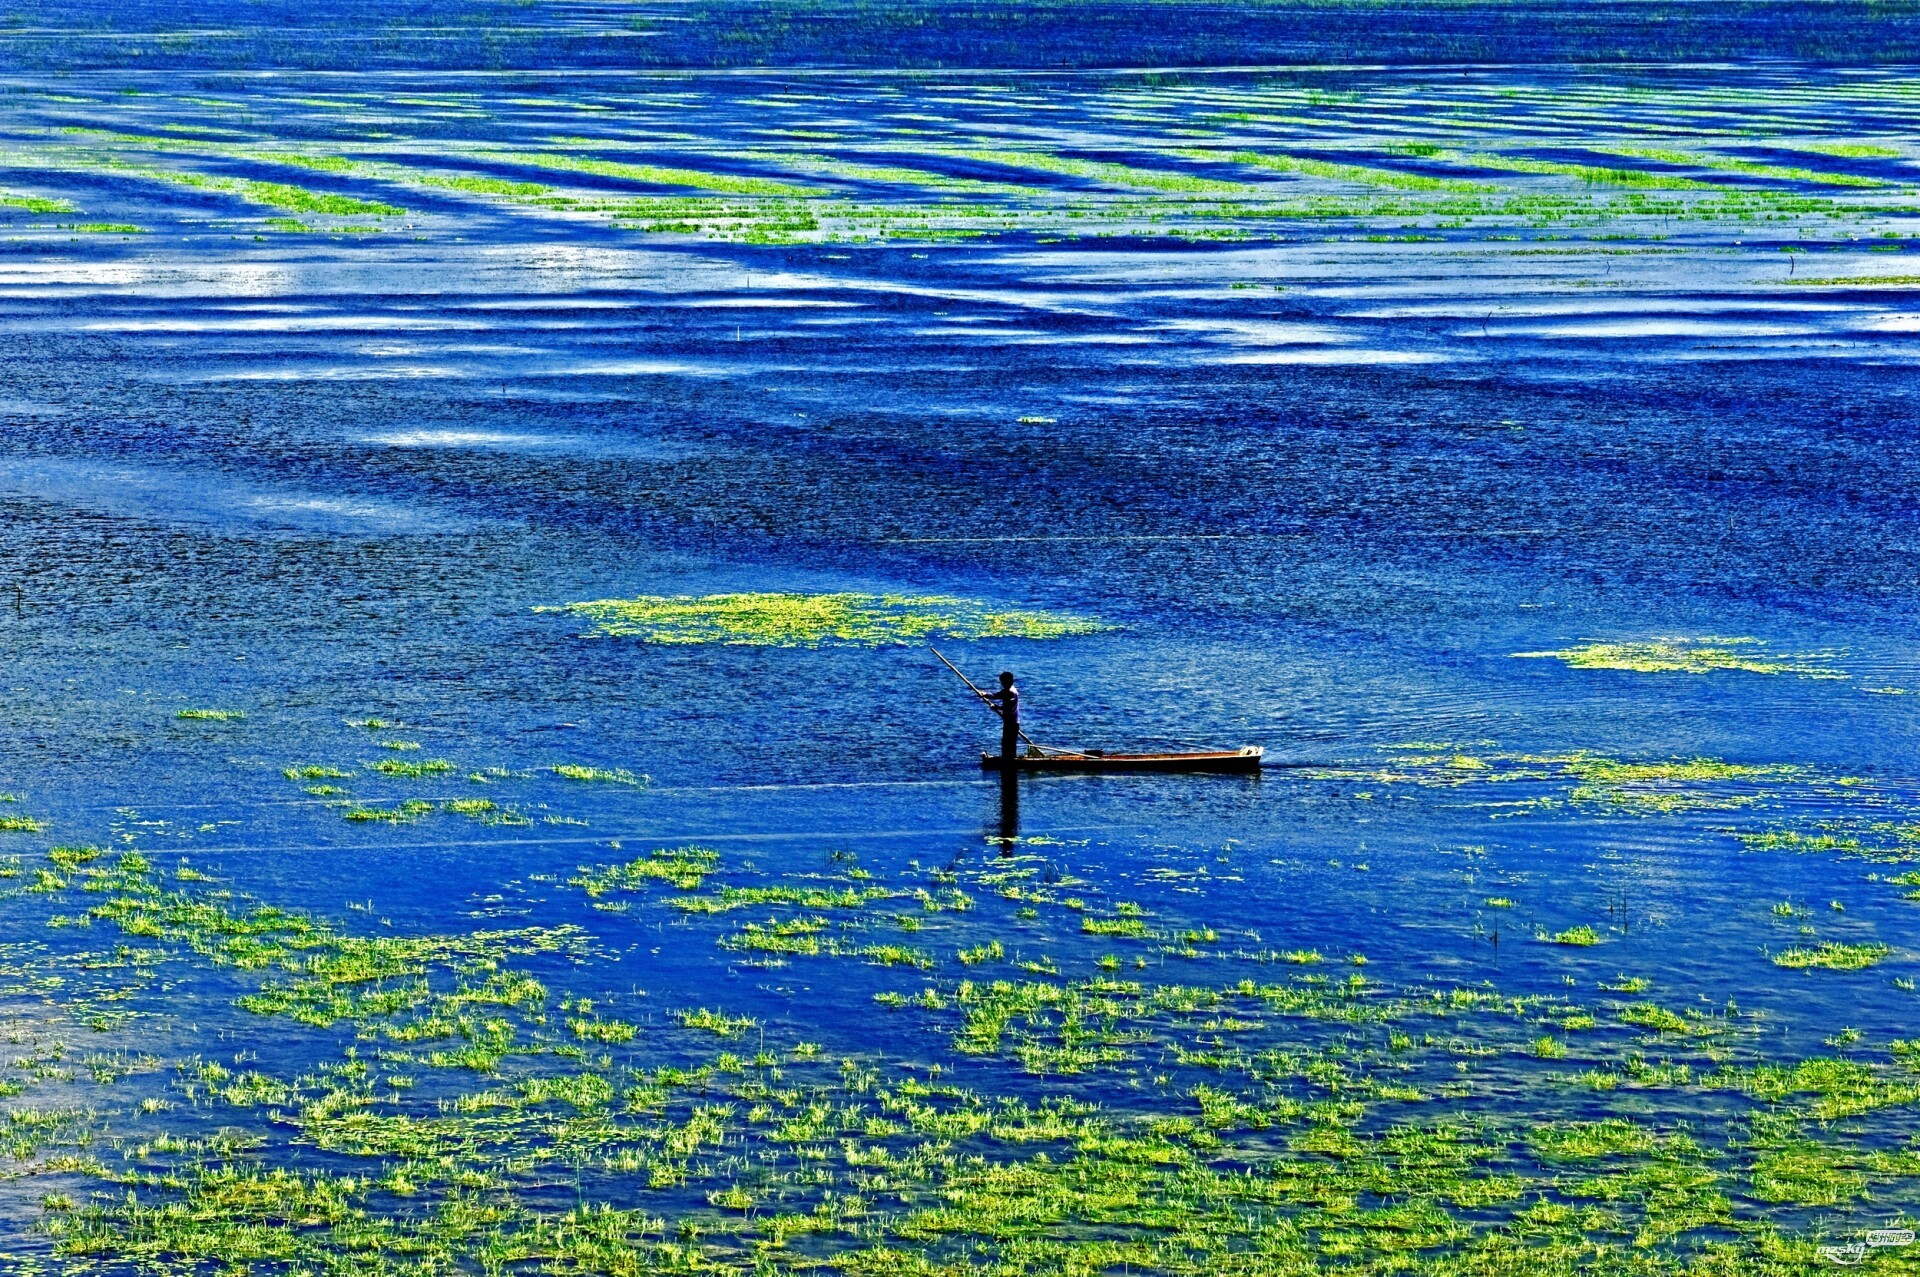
<point>1521,452</point>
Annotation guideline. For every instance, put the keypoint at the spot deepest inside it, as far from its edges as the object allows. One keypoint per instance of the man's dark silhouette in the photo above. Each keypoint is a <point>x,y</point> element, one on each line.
<point>1007,702</point>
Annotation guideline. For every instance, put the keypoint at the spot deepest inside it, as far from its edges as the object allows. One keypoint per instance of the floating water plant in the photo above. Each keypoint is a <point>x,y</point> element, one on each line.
<point>411,809</point>
<point>212,715</point>
<point>413,771</point>
<point>1689,656</point>
<point>1580,937</point>
<point>1833,956</point>
<point>813,620</point>
<point>682,867</point>
<point>727,1026</point>
<point>313,771</point>
<point>604,775</point>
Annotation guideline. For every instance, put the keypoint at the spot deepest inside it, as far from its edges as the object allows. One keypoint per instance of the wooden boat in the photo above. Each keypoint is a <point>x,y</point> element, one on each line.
<point>1244,761</point>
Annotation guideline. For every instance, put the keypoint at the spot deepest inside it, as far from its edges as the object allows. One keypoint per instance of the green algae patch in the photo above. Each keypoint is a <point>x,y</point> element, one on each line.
<point>486,185</point>
<point>684,867</point>
<point>1590,1141</point>
<point>34,203</point>
<point>413,771</point>
<point>466,1091</point>
<point>1678,655</point>
<point>1832,956</point>
<point>212,715</point>
<point>601,775</point>
<point>819,620</point>
<point>400,814</point>
<point>280,195</point>
<point>1670,787</point>
<point>1803,1173</point>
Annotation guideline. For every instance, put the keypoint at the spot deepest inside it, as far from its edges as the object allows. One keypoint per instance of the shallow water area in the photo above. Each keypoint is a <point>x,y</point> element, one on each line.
<point>477,798</point>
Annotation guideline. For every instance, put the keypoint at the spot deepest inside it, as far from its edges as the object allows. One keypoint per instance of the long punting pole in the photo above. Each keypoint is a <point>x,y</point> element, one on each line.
<point>984,698</point>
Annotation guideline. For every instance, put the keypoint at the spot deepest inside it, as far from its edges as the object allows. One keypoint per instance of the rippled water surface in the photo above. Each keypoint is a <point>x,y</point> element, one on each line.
<point>1521,452</point>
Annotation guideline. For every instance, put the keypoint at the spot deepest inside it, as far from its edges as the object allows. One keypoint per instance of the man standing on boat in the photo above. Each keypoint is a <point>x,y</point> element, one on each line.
<point>1006,703</point>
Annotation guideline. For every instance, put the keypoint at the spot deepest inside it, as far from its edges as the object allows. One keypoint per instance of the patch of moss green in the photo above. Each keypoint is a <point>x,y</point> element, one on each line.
<point>604,775</point>
<point>1832,956</point>
<point>682,867</point>
<point>813,620</point>
<point>412,770</point>
<point>1677,655</point>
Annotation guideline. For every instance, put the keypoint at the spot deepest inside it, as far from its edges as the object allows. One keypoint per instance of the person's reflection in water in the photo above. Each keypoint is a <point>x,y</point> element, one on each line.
<point>1009,810</point>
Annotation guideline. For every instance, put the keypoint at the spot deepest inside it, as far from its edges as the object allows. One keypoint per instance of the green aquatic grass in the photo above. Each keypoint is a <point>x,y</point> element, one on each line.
<point>1671,786</point>
<point>1648,1015</point>
<point>814,620</point>
<point>1844,150</point>
<point>1832,956</point>
<point>715,1022</point>
<point>1581,937</point>
<point>744,1155</point>
<point>602,775</point>
<point>34,203</point>
<point>318,163</point>
<point>315,771</point>
<point>212,715</point>
<point>478,185</point>
<point>68,859</point>
<point>1590,174</point>
<point>413,770</point>
<point>683,867</point>
<point>799,896</point>
<point>1723,163</point>
<point>401,813</point>
<point>281,195</point>
<point>1677,655</point>
<point>1590,1141</point>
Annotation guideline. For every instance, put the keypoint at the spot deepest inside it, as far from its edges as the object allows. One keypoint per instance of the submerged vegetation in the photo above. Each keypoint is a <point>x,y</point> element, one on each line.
<point>1833,956</point>
<point>1690,656</point>
<point>1250,1113</point>
<point>1240,157</point>
<point>813,620</point>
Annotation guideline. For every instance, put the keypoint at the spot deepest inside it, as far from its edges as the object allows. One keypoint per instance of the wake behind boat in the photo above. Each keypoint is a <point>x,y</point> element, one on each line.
<point>1005,703</point>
